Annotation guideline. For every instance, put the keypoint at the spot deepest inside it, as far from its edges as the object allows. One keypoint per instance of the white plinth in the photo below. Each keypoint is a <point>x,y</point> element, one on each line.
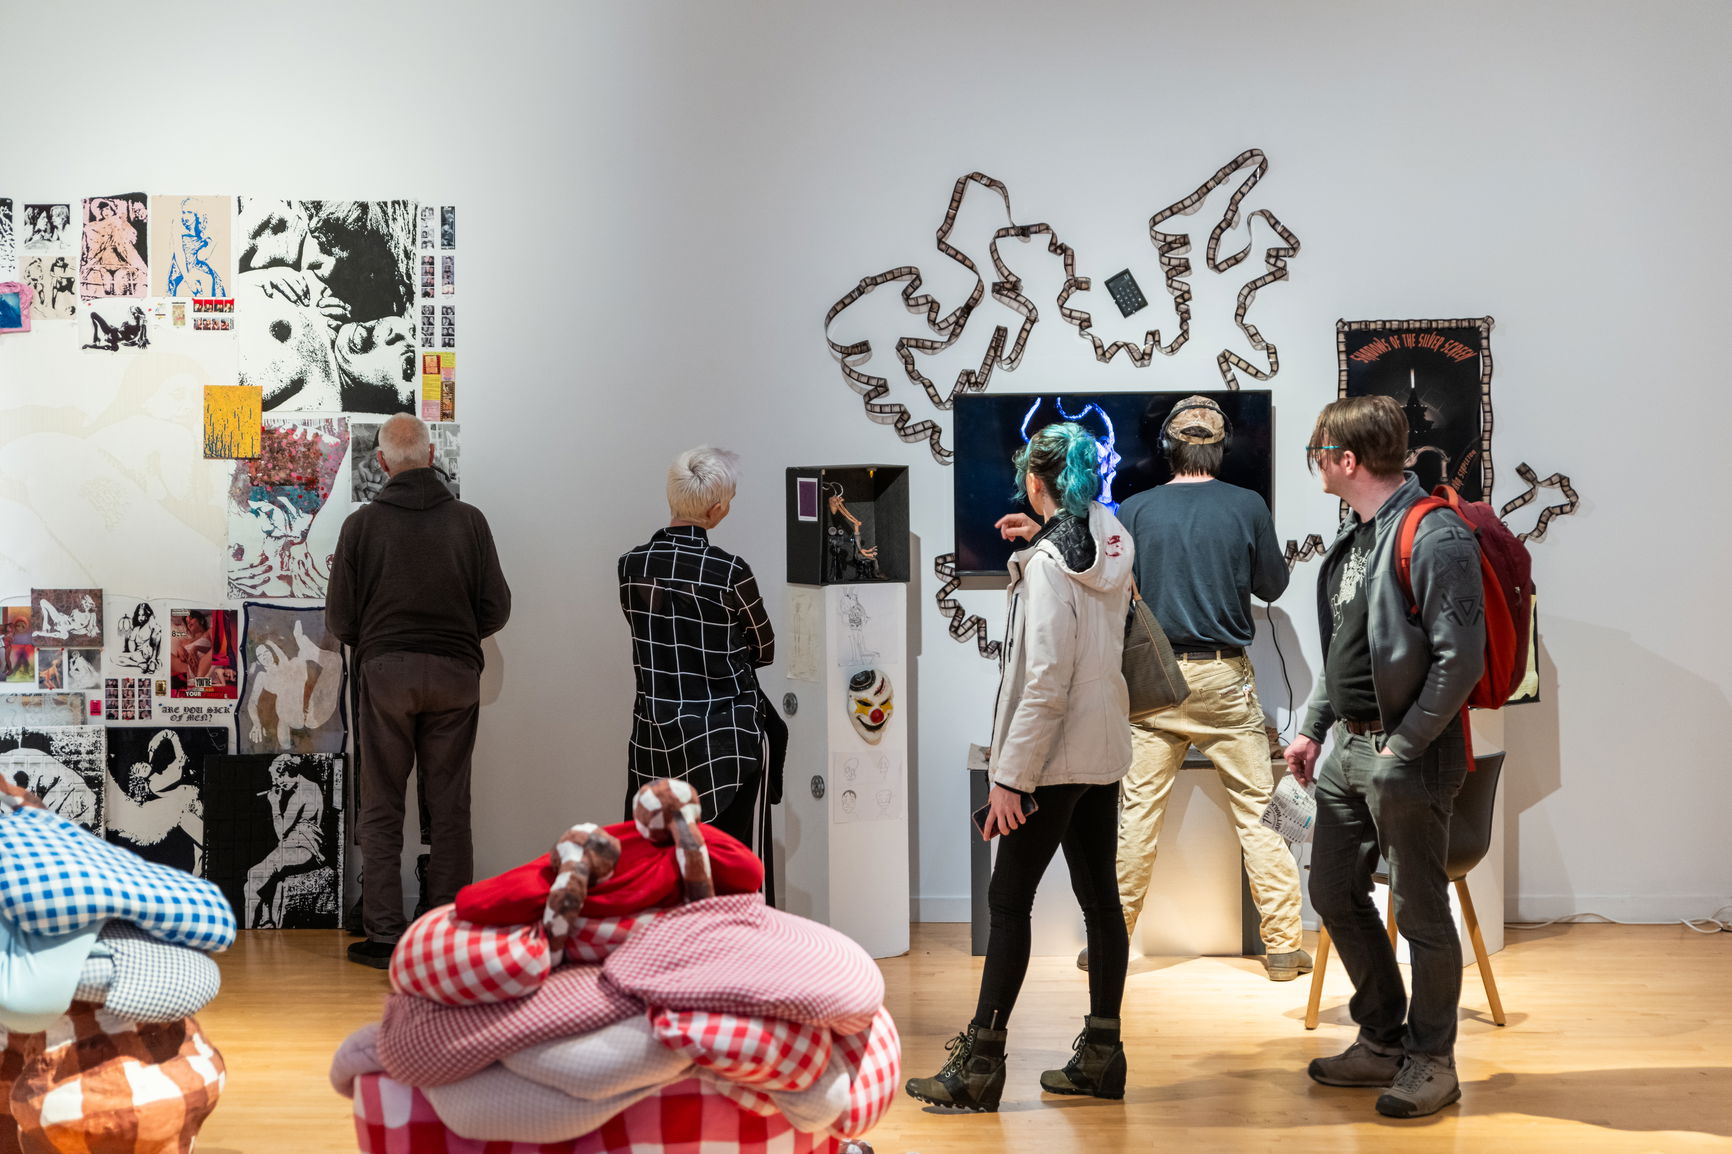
<point>844,844</point>
<point>1194,906</point>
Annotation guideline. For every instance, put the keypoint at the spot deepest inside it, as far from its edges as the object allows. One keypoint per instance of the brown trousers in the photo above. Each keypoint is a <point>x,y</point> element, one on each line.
<point>418,710</point>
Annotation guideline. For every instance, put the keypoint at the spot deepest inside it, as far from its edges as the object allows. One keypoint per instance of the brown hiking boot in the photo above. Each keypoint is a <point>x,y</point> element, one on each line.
<point>1097,1068</point>
<point>972,1078</point>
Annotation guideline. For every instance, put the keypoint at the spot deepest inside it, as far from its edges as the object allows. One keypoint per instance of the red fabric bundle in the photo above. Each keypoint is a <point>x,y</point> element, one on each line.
<point>647,876</point>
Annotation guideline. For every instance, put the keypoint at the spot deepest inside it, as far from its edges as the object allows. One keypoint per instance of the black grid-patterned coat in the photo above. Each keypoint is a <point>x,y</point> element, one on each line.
<point>698,630</point>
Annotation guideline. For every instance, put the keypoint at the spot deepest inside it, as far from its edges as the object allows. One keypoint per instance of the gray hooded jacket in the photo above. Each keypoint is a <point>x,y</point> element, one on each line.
<point>1423,665</point>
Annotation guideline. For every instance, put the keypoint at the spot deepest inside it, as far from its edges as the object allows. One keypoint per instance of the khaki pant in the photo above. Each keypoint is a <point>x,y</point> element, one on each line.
<point>1223,718</point>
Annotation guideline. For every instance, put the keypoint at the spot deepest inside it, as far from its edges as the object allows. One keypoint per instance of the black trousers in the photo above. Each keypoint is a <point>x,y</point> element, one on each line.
<point>1083,820</point>
<point>737,817</point>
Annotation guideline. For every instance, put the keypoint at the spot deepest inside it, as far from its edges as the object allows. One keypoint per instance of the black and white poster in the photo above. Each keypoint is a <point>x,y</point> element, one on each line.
<point>327,288</point>
<point>62,765</point>
<point>48,260</point>
<point>292,684</point>
<point>273,828</point>
<point>135,635</point>
<point>1440,373</point>
<point>154,801</point>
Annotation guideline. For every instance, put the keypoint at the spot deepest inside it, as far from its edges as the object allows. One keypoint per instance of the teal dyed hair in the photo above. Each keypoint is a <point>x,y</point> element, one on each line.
<point>1067,459</point>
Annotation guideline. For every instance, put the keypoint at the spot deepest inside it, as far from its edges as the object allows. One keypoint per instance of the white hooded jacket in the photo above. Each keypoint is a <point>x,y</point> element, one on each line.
<point>1062,705</point>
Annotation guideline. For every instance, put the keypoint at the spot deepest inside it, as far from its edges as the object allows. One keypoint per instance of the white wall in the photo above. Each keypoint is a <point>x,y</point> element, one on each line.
<point>659,201</point>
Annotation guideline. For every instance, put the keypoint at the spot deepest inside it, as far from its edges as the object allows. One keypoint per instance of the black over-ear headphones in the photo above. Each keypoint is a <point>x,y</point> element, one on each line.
<point>1196,402</point>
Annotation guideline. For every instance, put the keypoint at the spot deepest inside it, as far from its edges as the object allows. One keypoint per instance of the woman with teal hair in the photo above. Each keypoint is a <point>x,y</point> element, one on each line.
<point>1061,741</point>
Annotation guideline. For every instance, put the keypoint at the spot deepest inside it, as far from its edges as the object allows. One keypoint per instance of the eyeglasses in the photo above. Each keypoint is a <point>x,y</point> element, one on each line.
<point>1321,448</point>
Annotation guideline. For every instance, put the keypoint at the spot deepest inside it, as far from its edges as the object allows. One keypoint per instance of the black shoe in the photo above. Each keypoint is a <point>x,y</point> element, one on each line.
<point>371,953</point>
<point>973,1077</point>
<point>1098,1066</point>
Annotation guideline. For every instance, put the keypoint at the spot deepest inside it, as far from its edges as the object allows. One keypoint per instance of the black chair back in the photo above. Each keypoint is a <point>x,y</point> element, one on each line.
<point>1470,825</point>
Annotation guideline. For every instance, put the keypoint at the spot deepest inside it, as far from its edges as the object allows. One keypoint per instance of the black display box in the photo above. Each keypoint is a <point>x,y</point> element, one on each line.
<point>826,546</point>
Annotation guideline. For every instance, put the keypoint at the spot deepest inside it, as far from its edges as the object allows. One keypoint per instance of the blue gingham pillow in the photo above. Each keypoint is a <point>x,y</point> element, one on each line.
<point>56,878</point>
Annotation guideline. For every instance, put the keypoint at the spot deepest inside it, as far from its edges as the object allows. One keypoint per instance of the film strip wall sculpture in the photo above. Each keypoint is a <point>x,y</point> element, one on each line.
<point>939,329</point>
<point>1004,350</point>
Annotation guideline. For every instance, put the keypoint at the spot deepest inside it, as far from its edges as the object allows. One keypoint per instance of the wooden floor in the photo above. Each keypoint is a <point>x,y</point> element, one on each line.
<point>1619,1039</point>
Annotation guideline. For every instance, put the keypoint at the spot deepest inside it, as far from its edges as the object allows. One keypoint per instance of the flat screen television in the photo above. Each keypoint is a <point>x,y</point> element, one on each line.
<point>991,427</point>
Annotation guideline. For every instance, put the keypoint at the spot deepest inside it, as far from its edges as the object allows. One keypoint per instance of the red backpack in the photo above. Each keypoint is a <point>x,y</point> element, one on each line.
<point>1506,572</point>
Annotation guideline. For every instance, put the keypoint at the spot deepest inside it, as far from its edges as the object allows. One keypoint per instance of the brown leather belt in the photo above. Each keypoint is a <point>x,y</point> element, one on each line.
<point>1362,728</point>
<point>1207,654</point>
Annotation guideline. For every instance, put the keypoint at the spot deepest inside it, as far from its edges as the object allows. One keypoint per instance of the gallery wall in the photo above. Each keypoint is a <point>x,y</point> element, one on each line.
<point>660,202</point>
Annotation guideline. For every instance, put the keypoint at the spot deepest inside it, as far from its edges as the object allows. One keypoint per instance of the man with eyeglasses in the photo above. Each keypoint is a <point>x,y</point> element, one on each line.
<point>1394,683</point>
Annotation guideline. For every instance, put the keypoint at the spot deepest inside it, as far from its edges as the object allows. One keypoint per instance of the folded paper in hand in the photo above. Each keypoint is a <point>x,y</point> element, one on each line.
<point>1292,812</point>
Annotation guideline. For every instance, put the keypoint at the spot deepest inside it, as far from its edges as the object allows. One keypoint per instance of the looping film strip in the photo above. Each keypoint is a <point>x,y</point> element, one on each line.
<point>946,326</point>
<point>1003,351</point>
<point>1535,483</point>
<point>962,624</point>
<point>1174,250</point>
<point>1295,552</point>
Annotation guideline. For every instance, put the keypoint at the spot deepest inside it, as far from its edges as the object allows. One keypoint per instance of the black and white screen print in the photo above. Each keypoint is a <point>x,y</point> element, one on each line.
<point>62,765</point>
<point>274,837</point>
<point>291,684</point>
<point>154,804</point>
<point>327,287</point>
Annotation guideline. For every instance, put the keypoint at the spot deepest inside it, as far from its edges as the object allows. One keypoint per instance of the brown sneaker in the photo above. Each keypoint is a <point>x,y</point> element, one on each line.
<point>1424,1086</point>
<point>1358,1065</point>
<point>1285,967</point>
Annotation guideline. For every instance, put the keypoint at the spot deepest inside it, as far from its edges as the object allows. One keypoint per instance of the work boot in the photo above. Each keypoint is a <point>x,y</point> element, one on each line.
<point>973,1076</point>
<point>1361,1064</point>
<point>1285,967</point>
<point>1098,1066</point>
<point>1424,1086</point>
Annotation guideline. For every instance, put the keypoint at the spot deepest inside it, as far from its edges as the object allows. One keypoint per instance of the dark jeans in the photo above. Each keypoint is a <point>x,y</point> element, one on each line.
<point>1084,820</point>
<point>418,711</point>
<point>1366,803</point>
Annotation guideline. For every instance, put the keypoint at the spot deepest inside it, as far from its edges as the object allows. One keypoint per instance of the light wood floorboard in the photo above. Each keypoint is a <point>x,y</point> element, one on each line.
<point>1619,1039</point>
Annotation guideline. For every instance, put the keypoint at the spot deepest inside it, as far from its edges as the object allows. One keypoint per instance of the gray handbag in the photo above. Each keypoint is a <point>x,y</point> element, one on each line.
<point>1152,673</point>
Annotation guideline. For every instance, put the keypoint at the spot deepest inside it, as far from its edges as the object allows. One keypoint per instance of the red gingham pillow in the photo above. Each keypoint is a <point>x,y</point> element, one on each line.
<point>593,939</point>
<point>456,963</point>
<point>768,1053</point>
<point>875,1056</point>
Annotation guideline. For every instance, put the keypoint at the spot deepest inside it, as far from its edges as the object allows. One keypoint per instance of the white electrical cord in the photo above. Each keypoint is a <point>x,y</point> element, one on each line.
<point>1720,922</point>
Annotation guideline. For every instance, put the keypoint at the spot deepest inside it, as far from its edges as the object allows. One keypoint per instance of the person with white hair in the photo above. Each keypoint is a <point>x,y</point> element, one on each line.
<point>698,635</point>
<point>415,587</point>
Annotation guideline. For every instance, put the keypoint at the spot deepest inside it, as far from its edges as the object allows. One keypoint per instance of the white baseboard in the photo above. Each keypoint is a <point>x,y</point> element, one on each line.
<point>1619,907</point>
<point>956,909</point>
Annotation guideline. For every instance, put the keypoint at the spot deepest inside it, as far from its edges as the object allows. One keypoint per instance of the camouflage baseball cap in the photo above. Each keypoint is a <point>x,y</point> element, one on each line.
<point>1197,421</point>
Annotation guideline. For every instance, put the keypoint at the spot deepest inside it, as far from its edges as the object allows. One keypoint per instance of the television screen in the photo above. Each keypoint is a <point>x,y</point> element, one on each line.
<point>991,427</point>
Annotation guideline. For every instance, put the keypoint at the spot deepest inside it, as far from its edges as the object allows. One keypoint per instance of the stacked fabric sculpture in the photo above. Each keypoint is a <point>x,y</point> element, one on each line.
<point>630,991</point>
<point>104,958</point>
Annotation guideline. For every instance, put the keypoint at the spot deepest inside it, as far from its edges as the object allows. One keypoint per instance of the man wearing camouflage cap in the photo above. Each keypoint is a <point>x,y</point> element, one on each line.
<point>1203,547</point>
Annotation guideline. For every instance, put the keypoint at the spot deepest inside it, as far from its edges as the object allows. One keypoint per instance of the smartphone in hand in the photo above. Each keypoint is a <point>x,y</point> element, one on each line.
<point>1029,806</point>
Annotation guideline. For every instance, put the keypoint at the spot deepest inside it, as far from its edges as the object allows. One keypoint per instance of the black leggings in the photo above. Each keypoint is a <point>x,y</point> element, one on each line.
<point>1084,819</point>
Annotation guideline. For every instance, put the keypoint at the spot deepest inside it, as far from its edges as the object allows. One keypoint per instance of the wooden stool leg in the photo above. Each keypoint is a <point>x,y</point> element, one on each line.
<point>1317,964</point>
<point>1392,934</point>
<point>1479,953</point>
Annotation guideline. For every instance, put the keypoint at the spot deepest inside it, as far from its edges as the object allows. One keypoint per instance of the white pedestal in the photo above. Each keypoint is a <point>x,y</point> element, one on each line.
<point>1194,905</point>
<point>845,802</point>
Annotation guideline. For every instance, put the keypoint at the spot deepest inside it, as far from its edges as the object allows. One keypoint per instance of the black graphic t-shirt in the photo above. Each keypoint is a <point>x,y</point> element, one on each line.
<point>1347,665</point>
